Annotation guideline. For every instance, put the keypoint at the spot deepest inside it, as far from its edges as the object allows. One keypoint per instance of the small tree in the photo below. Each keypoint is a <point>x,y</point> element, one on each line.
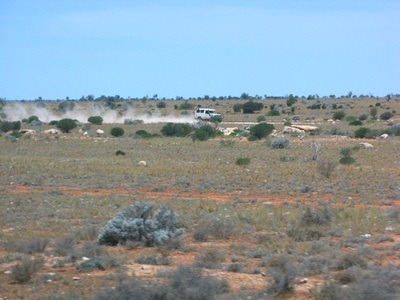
<point>66,125</point>
<point>117,131</point>
<point>251,106</point>
<point>97,120</point>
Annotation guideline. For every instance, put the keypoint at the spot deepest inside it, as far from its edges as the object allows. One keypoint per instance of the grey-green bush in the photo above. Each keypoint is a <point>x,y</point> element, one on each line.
<point>138,223</point>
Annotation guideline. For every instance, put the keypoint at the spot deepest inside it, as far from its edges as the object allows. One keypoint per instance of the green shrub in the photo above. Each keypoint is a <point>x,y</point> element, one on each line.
<point>117,131</point>
<point>144,134</point>
<point>237,107</point>
<point>362,132</point>
<point>161,104</point>
<point>251,106</point>
<point>33,118</point>
<point>363,117</point>
<point>261,130</point>
<point>242,161</point>
<point>119,152</point>
<point>176,129</point>
<point>339,115</point>
<point>97,120</point>
<point>53,122</point>
<point>347,160</point>
<point>350,118</point>
<point>386,116</point>
<point>6,126</point>
<point>186,105</point>
<point>273,112</point>
<point>66,125</point>
<point>356,123</point>
<point>205,132</point>
<point>16,133</point>
<point>346,152</point>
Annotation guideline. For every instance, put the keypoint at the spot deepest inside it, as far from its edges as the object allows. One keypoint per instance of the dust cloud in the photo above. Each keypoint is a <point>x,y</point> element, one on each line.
<point>16,111</point>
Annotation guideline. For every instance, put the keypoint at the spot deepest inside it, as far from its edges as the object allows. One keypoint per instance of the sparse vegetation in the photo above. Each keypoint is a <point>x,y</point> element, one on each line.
<point>261,229</point>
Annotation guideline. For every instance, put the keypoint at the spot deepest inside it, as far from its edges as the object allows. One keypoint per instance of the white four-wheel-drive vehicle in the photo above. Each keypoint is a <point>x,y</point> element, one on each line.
<point>207,114</point>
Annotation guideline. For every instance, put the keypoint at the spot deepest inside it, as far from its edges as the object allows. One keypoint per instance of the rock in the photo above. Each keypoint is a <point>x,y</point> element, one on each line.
<point>27,131</point>
<point>99,131</point>
<point>52,131</point>
<point>389,228</point>
<point>306,128</point>
<point>366,145</point>
<point>303,280</point>
<point>384,136</point>
<point>85,258</point>
<point>80,130</point>
<point>288,129</point>
<point>142,163</point>
<point>367,235</point>
<point>76,278</point>
<point>8,272</point>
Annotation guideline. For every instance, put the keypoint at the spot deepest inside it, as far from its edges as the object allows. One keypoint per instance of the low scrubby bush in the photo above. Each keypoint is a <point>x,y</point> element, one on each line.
<point>326,168</point>
<point>117,131</point>
<point>144,134</point>
<point>98,263</point>
<point>347,160</point>
<point>273,112</point>
<point>6,126</point>
<point>26,269</point>
<point>261,130</point>
<point>339,115</point>
<point>139,223</point>
<point>280,143</point>
<point>386,115</point>
<point>152,259</point>
<point>205,132</point>
<point>356,123</point>
<point>282,273</point>
<point>261,118</point>
<point>177,129</point>
<point>97,120</point>
<point>66,125</point>
<point>211,259</point>
<point>27,246</point>
<point>362,132</point>
<point>161,104</point>
<point>243,161</point>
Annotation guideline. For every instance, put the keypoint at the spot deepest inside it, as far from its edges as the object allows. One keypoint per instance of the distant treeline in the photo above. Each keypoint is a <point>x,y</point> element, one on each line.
<point>243,96</point>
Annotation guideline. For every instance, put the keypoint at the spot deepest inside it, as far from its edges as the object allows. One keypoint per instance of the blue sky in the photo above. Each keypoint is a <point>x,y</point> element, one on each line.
<point>58,49</point>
